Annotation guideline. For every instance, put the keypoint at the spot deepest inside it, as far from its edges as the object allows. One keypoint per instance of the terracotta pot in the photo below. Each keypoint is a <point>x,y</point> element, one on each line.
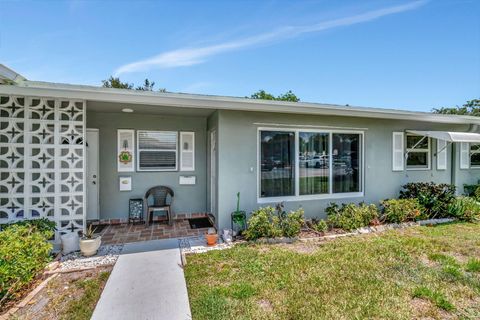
<point>211,239</point>
<point>89,247</point>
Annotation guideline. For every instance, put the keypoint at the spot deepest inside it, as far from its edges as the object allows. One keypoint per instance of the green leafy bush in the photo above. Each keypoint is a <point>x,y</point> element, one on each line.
<point>291,223</point>
<point>470,190</point>
<point>465,209</point>
<point>24,252</point>
<point>268,222</point>
<point>434,198</point>
<point>318,225</point>
<point>351,216</point>
<point>401,210</point>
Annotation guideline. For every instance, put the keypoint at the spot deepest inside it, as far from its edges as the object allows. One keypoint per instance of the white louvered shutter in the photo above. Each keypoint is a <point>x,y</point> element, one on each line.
<point>441,154</point>
<point>398,158</point>
<point>464,155</point>
<point>187,151</point>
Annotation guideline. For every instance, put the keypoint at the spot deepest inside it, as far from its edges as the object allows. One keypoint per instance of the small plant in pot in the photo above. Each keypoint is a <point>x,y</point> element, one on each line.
<point>211,237</point>
<point>89,242</point>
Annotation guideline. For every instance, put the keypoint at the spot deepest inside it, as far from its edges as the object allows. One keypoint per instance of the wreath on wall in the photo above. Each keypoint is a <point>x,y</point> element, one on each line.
<point>125,157</point>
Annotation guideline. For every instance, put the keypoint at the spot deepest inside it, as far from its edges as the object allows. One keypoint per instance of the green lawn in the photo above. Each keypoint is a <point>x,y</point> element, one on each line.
<point>423,272</point>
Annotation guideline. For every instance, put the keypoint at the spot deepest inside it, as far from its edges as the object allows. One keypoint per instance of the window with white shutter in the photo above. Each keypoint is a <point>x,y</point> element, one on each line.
<point>157,150</point>
<point>398,158</point>
<point>187,151</point>
<point>474,155</point>
<point>464,155</point>
<point>441,154</point>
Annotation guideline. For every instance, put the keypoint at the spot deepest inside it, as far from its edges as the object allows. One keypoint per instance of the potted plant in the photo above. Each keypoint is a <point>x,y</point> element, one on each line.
<point>239,219</point>
<point>211,237</point>
<point>89,242</point>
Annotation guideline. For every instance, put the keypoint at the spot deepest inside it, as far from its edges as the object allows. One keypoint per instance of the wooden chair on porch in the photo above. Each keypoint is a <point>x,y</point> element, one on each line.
<point>162,201</point>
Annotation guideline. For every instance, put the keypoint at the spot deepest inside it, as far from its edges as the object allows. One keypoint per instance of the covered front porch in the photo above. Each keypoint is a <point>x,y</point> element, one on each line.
<point>121,233</point>
<point>132,148</point>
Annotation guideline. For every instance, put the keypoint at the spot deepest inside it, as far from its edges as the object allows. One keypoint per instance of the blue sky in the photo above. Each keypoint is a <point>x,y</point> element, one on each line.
<point>411,55</point>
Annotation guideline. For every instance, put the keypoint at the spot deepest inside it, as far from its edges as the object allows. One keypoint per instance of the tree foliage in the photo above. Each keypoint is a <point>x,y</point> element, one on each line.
<point>470,108</point>
<point>287,96</point>
<point>115,82</point>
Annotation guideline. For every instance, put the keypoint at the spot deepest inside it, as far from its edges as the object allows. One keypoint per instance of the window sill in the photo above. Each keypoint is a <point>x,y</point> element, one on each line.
<point>419,169</point>
<point>311,197</point>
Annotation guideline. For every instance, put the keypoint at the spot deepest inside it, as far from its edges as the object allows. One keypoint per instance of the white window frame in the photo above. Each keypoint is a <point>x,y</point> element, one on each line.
<point>417,150</point>
<point>470,156</point>
<point>182,166</point>
<point>169,150</point>
<point>297,196</point>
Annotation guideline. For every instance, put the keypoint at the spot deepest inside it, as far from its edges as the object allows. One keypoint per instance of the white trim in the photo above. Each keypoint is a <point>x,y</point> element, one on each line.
<point>157,170</point>
<point>398,154</point>
<point>441,154</point>
<point>192,151</point>
<point>417,150</point>
<point>324,196</point>
<point>307,126</point>
<point>91,93</point>
<point>464,155</point>
<point>131,132</point>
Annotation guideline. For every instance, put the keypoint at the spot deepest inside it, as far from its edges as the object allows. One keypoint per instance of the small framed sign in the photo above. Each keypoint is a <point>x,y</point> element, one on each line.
<point>125,183</point>
<point>187,180</point>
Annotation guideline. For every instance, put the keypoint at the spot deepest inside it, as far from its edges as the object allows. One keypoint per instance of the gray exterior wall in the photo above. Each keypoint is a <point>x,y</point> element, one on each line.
<point>237,144</point>
<point>113,203</point>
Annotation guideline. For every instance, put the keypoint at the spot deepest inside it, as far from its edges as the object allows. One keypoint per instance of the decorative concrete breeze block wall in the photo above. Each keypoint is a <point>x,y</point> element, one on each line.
<point>42,161</point>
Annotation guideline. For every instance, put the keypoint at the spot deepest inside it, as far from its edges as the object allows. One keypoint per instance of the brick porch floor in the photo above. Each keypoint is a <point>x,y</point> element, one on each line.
<point>123,233</point>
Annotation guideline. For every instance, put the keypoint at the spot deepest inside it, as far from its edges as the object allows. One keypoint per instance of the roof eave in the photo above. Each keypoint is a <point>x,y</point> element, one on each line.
<point>223,103</point>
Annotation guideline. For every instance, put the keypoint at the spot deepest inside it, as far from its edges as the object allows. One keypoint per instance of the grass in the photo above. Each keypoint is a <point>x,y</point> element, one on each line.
<point>71,296</point>
<point>423,272</point>
<point>83,306</point>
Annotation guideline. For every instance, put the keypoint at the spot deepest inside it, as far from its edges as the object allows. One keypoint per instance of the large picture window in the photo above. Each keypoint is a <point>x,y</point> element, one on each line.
<point>301,163</point>
<point>277,163</point>
<point>157,150</point>
<point>418,149</point>
<point>314,163</point>
<point>346,162</point>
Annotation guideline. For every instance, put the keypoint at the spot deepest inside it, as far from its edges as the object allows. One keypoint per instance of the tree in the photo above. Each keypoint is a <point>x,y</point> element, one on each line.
<point>147,86</point>
<point>116,83</point>
<point>470,108</point>
<point>287,96</point>
<point>113,82</point>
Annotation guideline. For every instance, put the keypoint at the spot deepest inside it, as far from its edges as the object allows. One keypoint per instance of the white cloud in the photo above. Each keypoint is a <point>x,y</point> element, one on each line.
<point>191,56</point>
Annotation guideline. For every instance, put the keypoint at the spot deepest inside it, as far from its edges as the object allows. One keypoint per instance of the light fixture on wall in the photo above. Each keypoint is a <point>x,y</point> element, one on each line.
<point>127,110</point>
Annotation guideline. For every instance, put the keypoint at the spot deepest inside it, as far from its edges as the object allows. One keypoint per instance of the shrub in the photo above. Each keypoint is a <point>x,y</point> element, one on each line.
<point>24,252</point>
<point>471,189</point>
<point>465,209</point>
<point>318,225</point>
<point>291,223</point>
<point>43,225</point>
<point>434,198</point>
<point>351,216</point>
<point>401,210</point>
<point>268,222</point>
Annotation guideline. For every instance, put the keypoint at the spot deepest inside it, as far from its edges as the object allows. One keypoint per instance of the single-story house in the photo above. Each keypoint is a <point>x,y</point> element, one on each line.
<point>74,153</point>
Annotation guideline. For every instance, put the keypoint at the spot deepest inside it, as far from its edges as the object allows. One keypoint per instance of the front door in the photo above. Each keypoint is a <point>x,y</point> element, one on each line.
<point>92,175</point>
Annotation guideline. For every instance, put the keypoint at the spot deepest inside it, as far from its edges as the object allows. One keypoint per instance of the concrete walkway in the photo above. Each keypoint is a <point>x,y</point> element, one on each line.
<point>147,282</point>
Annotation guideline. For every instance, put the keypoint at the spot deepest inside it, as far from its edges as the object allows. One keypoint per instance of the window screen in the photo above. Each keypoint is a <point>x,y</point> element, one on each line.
<point>157,150</point>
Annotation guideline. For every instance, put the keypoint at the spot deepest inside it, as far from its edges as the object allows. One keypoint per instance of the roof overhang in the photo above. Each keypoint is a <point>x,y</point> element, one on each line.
<point>449,135</point>
<point>182,100</point>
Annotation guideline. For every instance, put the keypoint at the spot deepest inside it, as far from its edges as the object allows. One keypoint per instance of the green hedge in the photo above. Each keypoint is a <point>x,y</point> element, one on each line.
<point>268,222</point>
<point>401,210</point>
<point>24,252</point>
<point>351,216</point>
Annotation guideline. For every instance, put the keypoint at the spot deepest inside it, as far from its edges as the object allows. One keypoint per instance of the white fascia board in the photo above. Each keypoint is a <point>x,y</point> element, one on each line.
<point>221,103</point>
